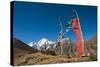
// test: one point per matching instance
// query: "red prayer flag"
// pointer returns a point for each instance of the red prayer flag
(77, 30)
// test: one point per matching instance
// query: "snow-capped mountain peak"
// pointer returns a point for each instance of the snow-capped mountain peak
(43, 41)
(41, 44)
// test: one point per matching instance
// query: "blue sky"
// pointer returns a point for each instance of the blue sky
(33, 21)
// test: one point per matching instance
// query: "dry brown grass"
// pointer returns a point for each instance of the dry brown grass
(39, 58)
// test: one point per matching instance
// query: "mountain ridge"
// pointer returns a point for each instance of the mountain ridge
(43, 43)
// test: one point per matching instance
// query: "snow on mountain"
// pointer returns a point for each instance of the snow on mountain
(31, 44)
(42, 44)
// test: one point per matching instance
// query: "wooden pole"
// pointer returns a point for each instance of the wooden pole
(61, 36)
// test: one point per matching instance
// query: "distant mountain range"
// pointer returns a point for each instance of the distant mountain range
(42, 44)
(20, 48)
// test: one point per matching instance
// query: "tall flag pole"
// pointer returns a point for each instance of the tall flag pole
(81, 33)
(61, 35)
(79, 36)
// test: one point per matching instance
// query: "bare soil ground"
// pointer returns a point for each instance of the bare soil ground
(39, 58)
